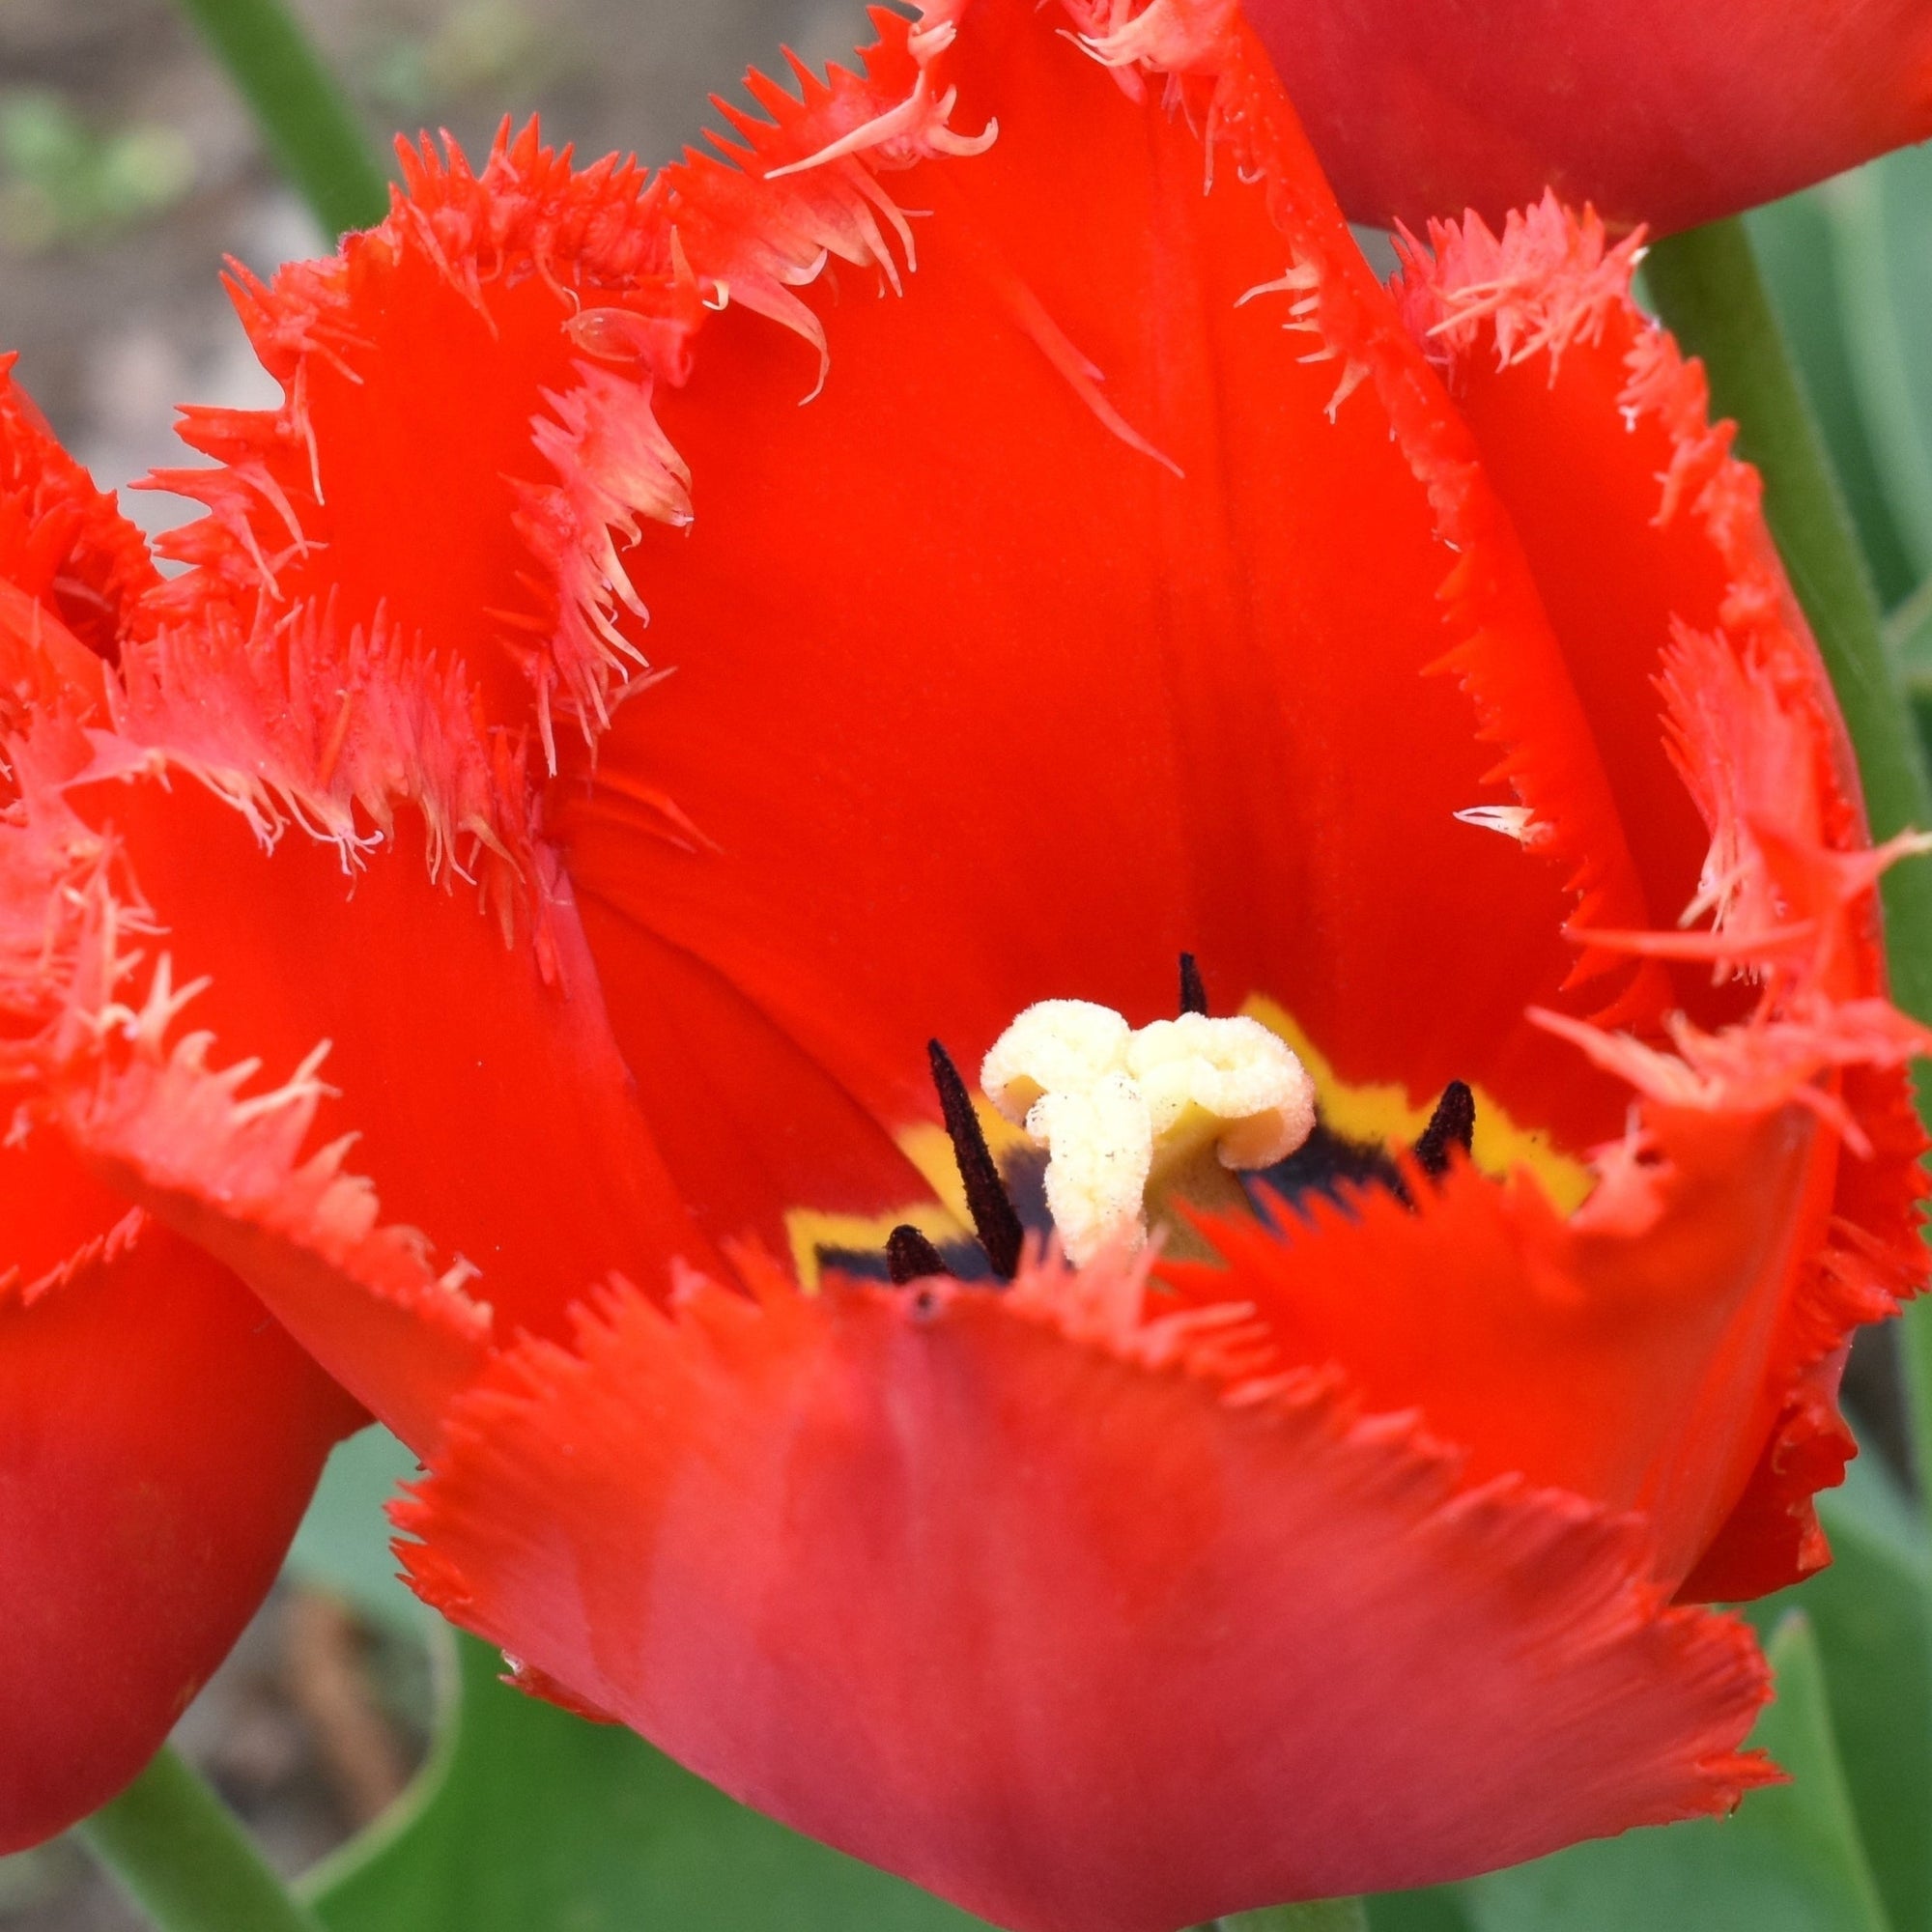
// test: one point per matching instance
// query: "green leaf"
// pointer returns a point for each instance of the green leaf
(1802, 252)
(1871, 1614)
(1908, 630)
(1881, 219)
(1434, 1909)
(1789, 1861)
(529, 1820)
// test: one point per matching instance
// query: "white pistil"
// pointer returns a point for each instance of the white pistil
(1121, 1113)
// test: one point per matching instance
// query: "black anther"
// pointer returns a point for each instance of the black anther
(1454, 1121)
(993, 1218)
(910, 1256)
(1193, 994)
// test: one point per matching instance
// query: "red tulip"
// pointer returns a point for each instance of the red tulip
(1137, 577)
(159, 1434)
(1655, 111)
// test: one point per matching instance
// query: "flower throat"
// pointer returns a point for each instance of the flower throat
(1195, 1113)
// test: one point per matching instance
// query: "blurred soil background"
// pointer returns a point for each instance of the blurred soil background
(128, 172)
(313, 1725)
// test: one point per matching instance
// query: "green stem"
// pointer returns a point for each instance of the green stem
(309, 125)
(1707, 288)
(178, 1852)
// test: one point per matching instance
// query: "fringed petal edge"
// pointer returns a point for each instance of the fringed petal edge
(1785, 903)
(939, 1386)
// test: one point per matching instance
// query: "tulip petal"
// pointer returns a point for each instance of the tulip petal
(997, 678)
(1044, 1599)
(1640, 525)
(212, 842)
(1733, 776)
(1873, 1262)
(159, 1434)
(501, 411)
(467, 1093)
(1656, 112)
(159, 1438)
(63, 545)
(448, 461)
(1628, 1354)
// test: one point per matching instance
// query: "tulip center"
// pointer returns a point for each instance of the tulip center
(1121, 1129)
(1133, 1120)
(1093, 1130)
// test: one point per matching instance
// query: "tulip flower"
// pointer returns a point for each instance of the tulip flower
(1657, 113)
(974, 586)
(159, 1434)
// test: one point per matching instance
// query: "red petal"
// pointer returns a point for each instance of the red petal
(70, 567)
(1181, 689)
(159, 1436)
(1634, 1354)
(1874, 1259)
(472, 1066)
(483, 1101)
(1639, 525)
(1059, 1613)
(430, 468)
(394, 590)
(63, 545)
(976, 700)
(1723, 743)
(1656, 112)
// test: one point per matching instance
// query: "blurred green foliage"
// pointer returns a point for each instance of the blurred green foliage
(1872, 1613)
(62, 179)
(343, 1544)
(1802, 255)
(1850, 268)
(472, 45)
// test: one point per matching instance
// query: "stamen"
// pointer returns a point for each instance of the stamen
(1328, 1164)
(1193, 993)
(1454, 1121)
(993, 1217)
(910, 1256)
